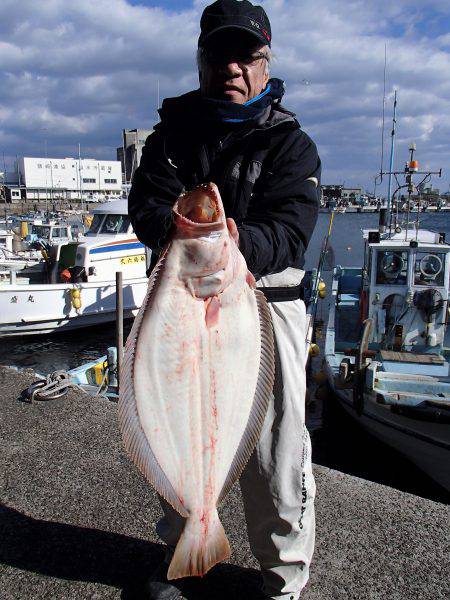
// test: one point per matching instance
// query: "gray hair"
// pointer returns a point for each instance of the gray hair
(201, 59)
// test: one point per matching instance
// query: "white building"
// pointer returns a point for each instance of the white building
(70, 178)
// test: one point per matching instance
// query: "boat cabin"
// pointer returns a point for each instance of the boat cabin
(405, 289)
(49, 233)
(108, 246)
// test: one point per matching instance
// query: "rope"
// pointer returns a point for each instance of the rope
(54, 386)
(57, 384)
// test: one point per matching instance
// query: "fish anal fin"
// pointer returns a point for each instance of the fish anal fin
(198, 551)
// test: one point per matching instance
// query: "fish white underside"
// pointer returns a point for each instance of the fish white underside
(195, 387)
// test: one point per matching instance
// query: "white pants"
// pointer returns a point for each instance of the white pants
(277, 484)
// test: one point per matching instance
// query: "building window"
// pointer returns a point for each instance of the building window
(88, 180)
(110, 180)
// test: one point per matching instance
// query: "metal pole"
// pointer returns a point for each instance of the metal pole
(124, 161)
(4, 186)
(119, 322)
(79, 178)
(46, 178)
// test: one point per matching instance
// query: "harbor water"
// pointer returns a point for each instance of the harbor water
(337, 441)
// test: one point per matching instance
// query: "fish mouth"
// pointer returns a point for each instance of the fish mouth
(200, 209)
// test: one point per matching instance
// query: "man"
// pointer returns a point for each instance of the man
(233, 131)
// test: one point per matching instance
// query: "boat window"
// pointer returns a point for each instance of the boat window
(41, 231)
(96, 223)
(59, 232)
(429, 269)
(392, 267)
(116, 224)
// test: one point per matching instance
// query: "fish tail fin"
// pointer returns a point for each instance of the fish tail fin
(199, 549)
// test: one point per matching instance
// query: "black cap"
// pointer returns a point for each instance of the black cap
(240, 14)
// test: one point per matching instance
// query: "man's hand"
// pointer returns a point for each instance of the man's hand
(233, 230)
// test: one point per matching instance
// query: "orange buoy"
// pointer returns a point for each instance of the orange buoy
(65, 276)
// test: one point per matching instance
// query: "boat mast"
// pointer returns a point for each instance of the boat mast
(411, 168)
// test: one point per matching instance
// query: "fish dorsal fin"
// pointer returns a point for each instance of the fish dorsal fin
(133, 435)
(263, 393)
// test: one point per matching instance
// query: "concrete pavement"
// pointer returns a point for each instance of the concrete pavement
(77, 519)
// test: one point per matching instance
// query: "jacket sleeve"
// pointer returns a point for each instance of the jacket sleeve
(153, 193)
(283, 213)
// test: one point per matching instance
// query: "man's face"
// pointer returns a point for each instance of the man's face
(234, 67)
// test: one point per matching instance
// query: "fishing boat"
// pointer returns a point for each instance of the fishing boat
(387, 345)
(26, 246)
(78, 286)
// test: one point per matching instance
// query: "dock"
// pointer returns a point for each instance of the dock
(77, 520)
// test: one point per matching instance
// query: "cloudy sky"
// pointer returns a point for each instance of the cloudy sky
(79, 72)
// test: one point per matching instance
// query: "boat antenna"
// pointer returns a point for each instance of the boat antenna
(391, 163)
(378, 179)
(383, 114)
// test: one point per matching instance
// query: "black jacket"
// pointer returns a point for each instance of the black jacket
(268, 175)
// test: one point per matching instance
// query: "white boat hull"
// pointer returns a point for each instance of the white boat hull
(40, 309)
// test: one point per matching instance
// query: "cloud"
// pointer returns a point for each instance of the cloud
(80, 72)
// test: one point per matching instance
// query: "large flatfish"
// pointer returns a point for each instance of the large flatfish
(197, 376)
